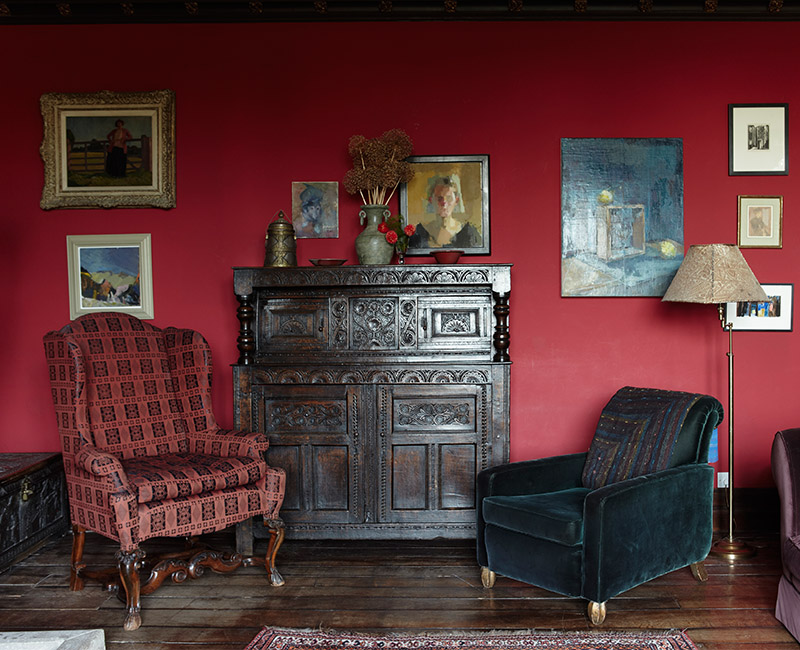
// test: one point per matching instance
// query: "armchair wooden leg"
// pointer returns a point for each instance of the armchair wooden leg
(597, 612)
(78, 540)
(488, 577)
(276, 535)
(128, 563)
(699, 571)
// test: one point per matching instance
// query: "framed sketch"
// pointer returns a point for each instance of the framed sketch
(447, 201)
(108, 150)
(110, 273)
(758, 139)
(760, 222)
(775, 315)
(315, 209)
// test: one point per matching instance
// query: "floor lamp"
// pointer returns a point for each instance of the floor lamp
(718, 274)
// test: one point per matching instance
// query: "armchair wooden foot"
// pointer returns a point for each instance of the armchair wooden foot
(129, 564)
(597, 612)
(277, 531)
(488, 577)
(699, 571)
(76, 582)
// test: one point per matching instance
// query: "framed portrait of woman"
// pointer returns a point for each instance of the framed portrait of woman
(447, 202)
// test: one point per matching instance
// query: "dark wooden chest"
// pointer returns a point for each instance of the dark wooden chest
(383, 390)
(33, 503)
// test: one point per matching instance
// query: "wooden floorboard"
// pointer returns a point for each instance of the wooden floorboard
(386, 586)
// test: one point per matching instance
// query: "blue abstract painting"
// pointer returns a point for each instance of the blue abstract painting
(621, 215)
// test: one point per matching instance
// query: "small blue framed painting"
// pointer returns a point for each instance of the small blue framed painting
(315, 209)
(621, 215)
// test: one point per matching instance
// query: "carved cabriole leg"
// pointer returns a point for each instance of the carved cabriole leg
(597, 612)
(128, 563)
(78, 540)
(488, 577)
(699, 571)
(276, 534)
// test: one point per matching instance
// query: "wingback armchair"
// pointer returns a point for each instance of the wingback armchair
(786, 472)
(592, 525)
(144, 456)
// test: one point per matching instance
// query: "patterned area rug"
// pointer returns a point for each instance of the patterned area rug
(271, 638)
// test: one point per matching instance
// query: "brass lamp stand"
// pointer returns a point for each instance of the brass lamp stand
(718, 274)
(729, 548)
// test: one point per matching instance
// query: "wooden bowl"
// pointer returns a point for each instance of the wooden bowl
(447, 256)
(327, 261)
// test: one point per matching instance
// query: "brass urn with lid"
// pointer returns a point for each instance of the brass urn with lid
(281, 243)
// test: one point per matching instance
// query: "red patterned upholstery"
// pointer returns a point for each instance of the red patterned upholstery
(143, 454)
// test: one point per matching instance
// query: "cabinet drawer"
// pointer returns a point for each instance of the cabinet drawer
(293, 324)
(455, 323)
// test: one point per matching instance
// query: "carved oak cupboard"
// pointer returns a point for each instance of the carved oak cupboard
(383, 390)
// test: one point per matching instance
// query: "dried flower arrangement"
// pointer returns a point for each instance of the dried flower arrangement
(396, 234)
(379, 166)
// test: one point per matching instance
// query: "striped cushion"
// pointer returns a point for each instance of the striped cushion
(636, 434)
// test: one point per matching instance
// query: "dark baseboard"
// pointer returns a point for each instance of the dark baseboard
(756, 510)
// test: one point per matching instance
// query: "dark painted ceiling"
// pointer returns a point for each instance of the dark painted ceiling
(172, 11)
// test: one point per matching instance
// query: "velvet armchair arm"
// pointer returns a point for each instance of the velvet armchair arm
(641, 528)
(525, 477)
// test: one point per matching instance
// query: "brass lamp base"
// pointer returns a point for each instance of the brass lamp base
(732, 550)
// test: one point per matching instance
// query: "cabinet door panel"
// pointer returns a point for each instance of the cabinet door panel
(431, 439)
(409, 467)
(456, 462)
(314, 436)
(455, 323)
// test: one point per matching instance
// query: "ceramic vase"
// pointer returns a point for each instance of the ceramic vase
(371, 245)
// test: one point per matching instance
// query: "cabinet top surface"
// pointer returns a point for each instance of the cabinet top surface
(13, 465)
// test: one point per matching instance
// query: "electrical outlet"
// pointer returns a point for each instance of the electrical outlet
(722, 479)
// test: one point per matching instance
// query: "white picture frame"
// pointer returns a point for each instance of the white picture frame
(772, 316)
(110, 273)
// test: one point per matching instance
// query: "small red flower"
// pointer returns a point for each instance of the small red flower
(391, 237)
(409, 230)
(383, 227)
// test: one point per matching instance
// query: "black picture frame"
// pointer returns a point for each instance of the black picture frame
(464, 178)
(758, 139)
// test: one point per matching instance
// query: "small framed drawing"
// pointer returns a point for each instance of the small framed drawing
(315, 209)
(775, 315)
(447, 201)
(108, 150)
(760, 222)
(758, 139)
(110, 273)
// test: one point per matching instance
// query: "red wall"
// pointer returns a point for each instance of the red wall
(260, 106)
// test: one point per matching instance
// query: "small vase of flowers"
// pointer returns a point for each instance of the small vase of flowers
(397, 235)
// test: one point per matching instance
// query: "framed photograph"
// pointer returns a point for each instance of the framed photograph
(775, 315)
(108, 150)
(110, 273)
(447, 201)
(315, 209)
(758, 139)
(760, 222)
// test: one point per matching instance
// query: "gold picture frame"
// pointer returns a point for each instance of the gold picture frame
(110, 273)
(760, 222)
(108, 150)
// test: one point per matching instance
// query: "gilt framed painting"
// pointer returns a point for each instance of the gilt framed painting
(108, 150)
(447, 202)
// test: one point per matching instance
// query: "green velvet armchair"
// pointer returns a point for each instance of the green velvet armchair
(593, 525)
